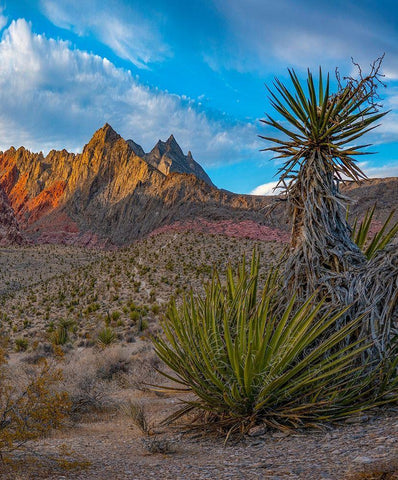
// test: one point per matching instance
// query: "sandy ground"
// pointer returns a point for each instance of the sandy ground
(116, 451)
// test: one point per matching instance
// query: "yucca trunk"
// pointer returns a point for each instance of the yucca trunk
(321, 243)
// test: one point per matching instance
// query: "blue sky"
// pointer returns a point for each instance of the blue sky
(195, 69)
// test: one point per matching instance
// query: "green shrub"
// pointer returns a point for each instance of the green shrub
(21, 344)
(59, 336)
(106, 336)
(249, 360)
(115, 315)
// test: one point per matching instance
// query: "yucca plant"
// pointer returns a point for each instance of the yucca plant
(106, 336)
(318, 130)
(246, 363)
(318, 133)
(362, 237)
(60, 336)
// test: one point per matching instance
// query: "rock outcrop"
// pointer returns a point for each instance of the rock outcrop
(10, 233)
(168, 157)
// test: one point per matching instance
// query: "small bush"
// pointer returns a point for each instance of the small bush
(115, 363)
(135, 412)
(21, 344)
(59, 336)
(115, 315)
(31, 410)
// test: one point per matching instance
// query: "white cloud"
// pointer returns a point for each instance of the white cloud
(380, 171)
(113, 23)
(266, 189)
(302, 34)
(54, 96)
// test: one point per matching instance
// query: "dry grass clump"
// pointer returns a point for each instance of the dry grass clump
(95, 378)
(87, 376)
(136, 412)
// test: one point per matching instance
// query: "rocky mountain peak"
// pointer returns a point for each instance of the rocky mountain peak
(137, 149)
(104, 135)
(168, 157)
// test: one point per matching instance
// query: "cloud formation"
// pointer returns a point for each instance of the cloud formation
(306, 34)
(54, 96)
(371, 171)
(266, 189)
(114, 24)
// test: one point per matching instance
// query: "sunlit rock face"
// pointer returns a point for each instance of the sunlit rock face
(114, 193)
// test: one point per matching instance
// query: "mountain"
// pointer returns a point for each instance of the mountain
(168, 157)
(10, 233)
(137, 149)
(114, 193)
(109, 193)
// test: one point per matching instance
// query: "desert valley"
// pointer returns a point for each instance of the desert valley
(198, 240)
(93, 248)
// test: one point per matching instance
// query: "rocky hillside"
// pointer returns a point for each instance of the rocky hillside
(10, 233)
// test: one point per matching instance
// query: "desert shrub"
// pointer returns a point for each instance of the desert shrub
(59, 336)
(106, 336)
(115, 315)
(90, 379)
(155, 309)
(248, 359)
(21, 344)
(136, 413)
(42, 351)
(115, 362)
(88, 395)
(30, 410)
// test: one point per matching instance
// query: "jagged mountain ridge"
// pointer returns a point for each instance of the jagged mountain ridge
(108, 192)
(168, 157)
(112, 192)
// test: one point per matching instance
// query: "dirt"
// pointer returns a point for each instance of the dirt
(116, 452)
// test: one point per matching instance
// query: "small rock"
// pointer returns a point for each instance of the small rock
(360, 459)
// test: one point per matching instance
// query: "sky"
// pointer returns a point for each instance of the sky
(196, 69)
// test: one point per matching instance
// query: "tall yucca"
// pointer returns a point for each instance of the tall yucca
(318, 131)
(318, 135)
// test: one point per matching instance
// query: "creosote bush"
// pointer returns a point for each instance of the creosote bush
(31, 410)
(247, 361)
